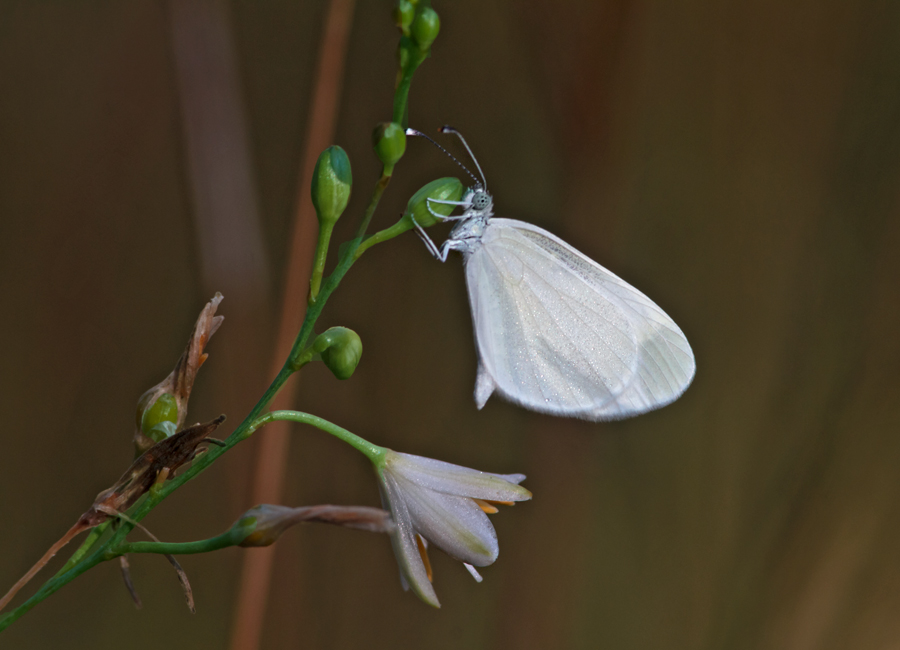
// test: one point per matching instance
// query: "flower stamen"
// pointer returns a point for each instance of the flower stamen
(486, 506)
(474, 573)
(423, 553)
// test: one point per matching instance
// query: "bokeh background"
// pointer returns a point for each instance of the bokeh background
(738, 162)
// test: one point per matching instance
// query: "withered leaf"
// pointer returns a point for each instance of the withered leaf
(129, 583)
(165, 456)
(161, 460)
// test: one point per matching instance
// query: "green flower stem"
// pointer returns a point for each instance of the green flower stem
(306, 355)
(401, 94)
(315, 280)
(296, 359)
(91, 539)
(224, 540)
(372, 451)
(95, 534)
(83, 560)
(116, 546)
(380, 187)
(402, 226)
(52, 586)
(110, 548)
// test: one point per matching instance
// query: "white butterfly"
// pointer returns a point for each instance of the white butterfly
(556, 332)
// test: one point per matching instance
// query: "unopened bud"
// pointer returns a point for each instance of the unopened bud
(422, 209)
(403, 14)
(331, 184)
(340, 349)
(425, 28)
(389, 141)
(262, 525)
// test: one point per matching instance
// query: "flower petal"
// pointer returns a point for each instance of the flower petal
(457, 480)
(453, 523)
(412, 570)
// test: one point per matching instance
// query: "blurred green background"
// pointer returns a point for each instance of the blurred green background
(739, 163)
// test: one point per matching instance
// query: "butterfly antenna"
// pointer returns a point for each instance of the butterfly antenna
(450, 129)
(455, 159)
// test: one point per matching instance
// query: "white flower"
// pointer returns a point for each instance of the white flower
(445, 504)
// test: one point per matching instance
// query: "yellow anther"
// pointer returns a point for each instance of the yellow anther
(423, 553)
(484, 505)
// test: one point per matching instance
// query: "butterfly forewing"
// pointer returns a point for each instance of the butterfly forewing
(535, 371)
(546, 342)
(558, 333)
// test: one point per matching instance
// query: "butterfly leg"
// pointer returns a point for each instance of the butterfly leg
(430, 245)
(462, 203)
(442, 217)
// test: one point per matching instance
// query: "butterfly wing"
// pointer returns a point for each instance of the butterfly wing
(559, 334)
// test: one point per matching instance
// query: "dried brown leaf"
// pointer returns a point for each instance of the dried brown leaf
(129, 584)
(163, 459)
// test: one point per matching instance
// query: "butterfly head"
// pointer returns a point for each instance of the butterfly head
(480, 200)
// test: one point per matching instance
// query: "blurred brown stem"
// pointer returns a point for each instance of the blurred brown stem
(253, 591)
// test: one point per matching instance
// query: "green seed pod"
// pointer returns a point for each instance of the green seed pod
(331, 185)
(425, 28)
(340, 349)
(403, 14)
(161, 431)
(164, 409)
(442, 189)
(389, 141)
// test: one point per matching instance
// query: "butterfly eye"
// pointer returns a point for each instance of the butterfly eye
(481, 200)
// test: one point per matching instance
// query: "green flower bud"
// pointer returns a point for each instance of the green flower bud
(425, 28)
(163, 410)
(442, 189)
(331, 185)
(389, 141)
(403, 14)
(340, 349)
